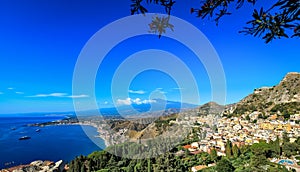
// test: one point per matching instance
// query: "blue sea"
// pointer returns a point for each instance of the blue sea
(50, 143)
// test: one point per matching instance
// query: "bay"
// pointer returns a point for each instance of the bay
(59, 142)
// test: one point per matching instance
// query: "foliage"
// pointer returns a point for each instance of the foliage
(104, 161)
(160, 24)
(224, 165)
(137, 7)
(287, 108)
(248, 118)
(214, 155)
(276, 147)
(285, 138)
(281, 20)
(274, 25)
(240, 159)
(290, 149)
(235, 151)
(228, 148)
(248, 159)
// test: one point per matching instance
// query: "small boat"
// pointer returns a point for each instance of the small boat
(38, 130)
(13, 128)
(24, 138)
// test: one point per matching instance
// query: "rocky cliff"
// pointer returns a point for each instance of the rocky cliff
(269, 99)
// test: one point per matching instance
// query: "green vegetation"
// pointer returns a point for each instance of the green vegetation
(224, 165)
(239, 159)
(242, 109)
(228, 149)
(104, 161)
(287, 109)
(164, 122)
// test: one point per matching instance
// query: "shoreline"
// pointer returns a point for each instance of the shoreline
(14, 160)
(100, 132)
(103, 134)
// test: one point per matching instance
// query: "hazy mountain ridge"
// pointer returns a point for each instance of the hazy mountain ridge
(141, 109)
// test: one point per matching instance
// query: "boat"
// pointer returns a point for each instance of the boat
(38, 130)
(24, 138)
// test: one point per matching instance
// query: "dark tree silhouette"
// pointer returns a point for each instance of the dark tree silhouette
(281, 20)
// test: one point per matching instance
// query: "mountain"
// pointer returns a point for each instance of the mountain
(157, 105)
(211, 108)
(280, 99)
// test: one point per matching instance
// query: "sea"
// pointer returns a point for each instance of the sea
(57, 142)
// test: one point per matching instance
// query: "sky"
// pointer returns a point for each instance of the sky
(41, 41)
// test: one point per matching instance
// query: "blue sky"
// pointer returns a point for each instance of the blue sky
(41, 41)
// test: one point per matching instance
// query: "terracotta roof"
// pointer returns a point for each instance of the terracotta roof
(200, 167)
(187, 146)
(196, 152)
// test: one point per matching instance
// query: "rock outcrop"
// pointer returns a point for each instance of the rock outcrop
(39, 166)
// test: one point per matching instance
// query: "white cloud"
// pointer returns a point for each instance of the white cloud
(148, 101)
(177, 88)
(10, 88)
(124, 102)
(137, 101)
(160, 90)
(18, 92)
(60, 95)
(137, 91)
(78, 96)
(1, 93)
(130, 101)
(50, 95)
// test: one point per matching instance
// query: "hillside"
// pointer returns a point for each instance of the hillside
(269, 100)
(211, 108)
(150, 125)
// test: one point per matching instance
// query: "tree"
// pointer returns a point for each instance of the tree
(260, 153)
(244, 149)
(275, 145)
(224, 165)
(290, 149)
(261, 148)
(149, 165)
(285, 138)
(214, 155)
(286, 116)
(248, 118)
(258, 161)
(236, 151)
(281, 19)
(228, 149)
(298, 141)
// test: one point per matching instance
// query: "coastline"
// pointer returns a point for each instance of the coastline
(101, 132)
(57, 138)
